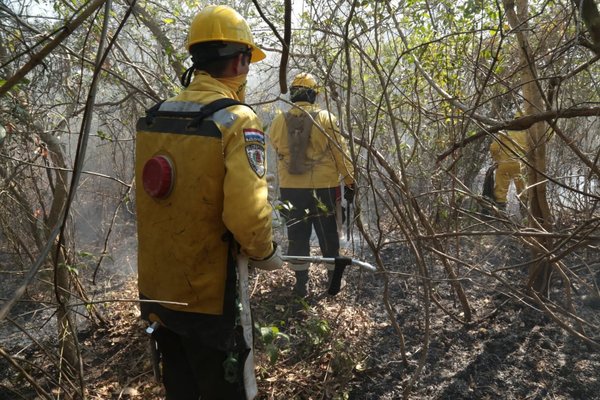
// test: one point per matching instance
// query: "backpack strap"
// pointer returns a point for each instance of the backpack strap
(213, 107)
(152, 111)
(196, 116)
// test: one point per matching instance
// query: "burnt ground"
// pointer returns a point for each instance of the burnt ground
(510, 351)
(348, 347)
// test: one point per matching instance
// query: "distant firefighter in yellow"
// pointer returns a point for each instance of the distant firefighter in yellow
(507, 150)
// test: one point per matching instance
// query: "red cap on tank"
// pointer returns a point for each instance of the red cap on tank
(157, 177)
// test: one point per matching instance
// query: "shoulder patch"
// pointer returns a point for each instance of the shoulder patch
(256, 158)
(254, 135)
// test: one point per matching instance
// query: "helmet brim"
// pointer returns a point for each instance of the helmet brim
(257, 54)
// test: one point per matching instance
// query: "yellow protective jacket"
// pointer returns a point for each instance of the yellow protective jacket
(219, 191)
(509, 147)
(329, 162)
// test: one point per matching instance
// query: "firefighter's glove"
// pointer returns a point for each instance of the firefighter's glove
(271, 263)
(349, 193)
(272, 195)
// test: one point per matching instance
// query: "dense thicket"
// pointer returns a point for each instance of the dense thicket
(421, 89)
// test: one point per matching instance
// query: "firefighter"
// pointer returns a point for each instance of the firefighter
(507, 151)
(310, 166)
(202, 198)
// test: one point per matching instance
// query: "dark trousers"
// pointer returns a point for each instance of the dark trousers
(308, 209)
(192, 370)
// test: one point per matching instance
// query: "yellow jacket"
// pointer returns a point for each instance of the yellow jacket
(219, 187)
(511, 148)
(330, 162)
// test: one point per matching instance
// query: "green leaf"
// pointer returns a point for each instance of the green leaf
(104, 136)
(71, 268)
(268, 333)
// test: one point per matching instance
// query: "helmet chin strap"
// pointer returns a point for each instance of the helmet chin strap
(186, 77)
(213, 51)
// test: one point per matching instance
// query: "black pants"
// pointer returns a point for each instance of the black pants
(192, 370)
(311, 208)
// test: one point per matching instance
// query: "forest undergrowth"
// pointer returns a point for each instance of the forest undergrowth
(346, 347)
(461, 307)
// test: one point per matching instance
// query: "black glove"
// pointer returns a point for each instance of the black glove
(349, 193)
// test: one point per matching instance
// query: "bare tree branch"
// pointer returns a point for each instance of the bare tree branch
(521, 123)
(39, 57)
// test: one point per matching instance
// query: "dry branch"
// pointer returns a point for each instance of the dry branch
(522, 123)
(37, 58)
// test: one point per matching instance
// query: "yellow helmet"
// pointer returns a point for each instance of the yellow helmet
(222, 23)
(306, 80)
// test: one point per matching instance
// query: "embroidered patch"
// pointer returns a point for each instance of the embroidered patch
(256, 158)
(254, 135)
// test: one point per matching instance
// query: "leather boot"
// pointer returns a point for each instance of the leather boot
(301, 285)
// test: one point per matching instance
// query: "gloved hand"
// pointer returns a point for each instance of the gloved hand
(272, 195)
(349, 193)
(271, 263)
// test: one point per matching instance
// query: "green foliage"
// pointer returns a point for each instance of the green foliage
(72, 268)
(285, 206)
(313, 333)
(275, 341)
(86, 258)
(104, 136)
(322, 206)
(85, 254)
(342, 361)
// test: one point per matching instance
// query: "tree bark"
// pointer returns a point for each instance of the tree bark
(591, 18)
(160, 37)
(541, 218)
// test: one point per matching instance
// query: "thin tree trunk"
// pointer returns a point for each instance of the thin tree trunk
(591, 18)
(66, 324)
(539, 273)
